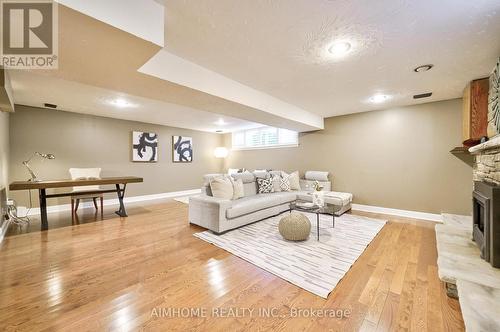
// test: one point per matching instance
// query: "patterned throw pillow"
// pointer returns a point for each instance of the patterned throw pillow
(294, 180)
(265, 186)
(285, 183)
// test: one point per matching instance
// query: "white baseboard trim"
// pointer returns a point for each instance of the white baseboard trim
(400, 213)
(114, 201)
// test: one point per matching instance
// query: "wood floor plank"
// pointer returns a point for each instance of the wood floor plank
(113, 274)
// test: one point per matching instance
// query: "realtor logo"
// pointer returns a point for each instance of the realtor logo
(29, 34)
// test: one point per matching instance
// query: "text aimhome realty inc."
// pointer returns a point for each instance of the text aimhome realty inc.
(233, 312)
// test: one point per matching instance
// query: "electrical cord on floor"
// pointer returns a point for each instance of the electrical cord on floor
(12, 213)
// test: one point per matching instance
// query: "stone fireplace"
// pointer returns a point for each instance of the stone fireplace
(486, 200)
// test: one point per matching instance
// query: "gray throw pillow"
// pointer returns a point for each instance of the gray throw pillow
(238, 191)
(276, 183)
(265, 186)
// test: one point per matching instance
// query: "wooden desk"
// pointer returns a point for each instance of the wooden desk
(42, 186)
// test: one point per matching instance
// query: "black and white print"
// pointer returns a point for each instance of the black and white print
(144, 146)
(182, 149)
(265, 185)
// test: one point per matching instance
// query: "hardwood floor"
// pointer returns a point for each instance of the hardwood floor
(125, 274)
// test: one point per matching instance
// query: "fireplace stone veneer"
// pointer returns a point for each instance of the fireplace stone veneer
(486, 199)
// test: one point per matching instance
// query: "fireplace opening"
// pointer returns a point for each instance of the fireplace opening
(486, 221)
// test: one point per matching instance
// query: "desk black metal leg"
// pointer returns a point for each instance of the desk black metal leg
(317, 222)
(121, 193)
(333, 220)
(43, 209)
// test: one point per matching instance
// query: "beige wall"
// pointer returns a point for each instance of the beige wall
(89, 141)
(4, 149)
(397, 158)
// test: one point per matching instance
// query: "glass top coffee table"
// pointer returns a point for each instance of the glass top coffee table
(328, 209)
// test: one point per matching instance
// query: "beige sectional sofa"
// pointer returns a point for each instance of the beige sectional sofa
(221, 215)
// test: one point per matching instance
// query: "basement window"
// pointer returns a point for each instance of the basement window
(264, 138)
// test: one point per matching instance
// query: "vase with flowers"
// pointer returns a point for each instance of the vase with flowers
(318, 197)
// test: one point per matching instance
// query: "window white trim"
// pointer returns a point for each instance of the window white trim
(264, 138)
(265, 147)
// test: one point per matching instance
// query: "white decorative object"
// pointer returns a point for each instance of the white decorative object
(318, 198)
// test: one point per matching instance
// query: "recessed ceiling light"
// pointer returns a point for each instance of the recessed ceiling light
(421, 69)
(120, 102)
(378, 98)
(339, 48)
(221, 122)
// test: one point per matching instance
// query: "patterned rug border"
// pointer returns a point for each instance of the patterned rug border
(207, 235)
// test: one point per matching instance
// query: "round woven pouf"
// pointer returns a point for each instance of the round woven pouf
(295, 227)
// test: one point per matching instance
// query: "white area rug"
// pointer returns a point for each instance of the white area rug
(314, 266)
(183, 199)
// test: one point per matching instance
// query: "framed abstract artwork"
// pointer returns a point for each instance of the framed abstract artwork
(144, 147)
(182, 149)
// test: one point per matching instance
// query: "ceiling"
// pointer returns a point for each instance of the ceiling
(142, 18)
(280, 47)
(254, 62)
(96, 54)
(86, 99)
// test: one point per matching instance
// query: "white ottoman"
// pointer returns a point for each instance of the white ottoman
(332, 197)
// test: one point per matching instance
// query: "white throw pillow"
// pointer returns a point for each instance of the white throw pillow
(294, 180)
(276, 182)
(238, 191)
(222, 187)
(232, 171)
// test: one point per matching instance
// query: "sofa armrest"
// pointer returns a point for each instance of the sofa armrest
(208, 212)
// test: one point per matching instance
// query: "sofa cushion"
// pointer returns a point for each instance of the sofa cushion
(275, 173)
(258, 202)
(316, 176)
(346, 198)
(209, 177)
(249, 189)
(261, 174)
(245, 176)
(332, 197)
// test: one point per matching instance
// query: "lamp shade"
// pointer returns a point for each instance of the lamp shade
(221, 152)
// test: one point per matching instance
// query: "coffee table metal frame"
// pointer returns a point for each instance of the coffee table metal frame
(327, 209)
